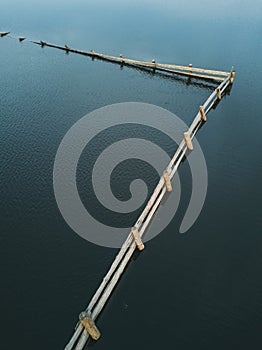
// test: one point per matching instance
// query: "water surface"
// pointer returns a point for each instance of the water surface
(200, 290)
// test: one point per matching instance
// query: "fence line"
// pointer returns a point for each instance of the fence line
(86, 326)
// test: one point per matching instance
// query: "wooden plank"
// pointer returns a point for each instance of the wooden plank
(150, 203)
(192, 75)
(171, 66)
(223, 86)
(124, 262)
(84, 337)
(213, 95)
(193, 69)
(82, 340)
(175, 157)
(178, 162)
(74, 337)
(133, 245)
(111, 271)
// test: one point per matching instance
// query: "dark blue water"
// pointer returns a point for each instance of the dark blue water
(200, 290)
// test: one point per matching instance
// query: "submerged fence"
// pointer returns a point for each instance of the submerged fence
(86, 326)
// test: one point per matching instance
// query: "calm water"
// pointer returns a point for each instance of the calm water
(200, 290)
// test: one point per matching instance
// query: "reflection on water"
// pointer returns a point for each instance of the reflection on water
(200, 290)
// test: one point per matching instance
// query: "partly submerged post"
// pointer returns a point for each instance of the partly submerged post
(232, 76)
(154, 64)
(203, 114)
(219, 96)
(4, 34)
(167, 181)
(137, 239)
(188, 141)
(89, 325)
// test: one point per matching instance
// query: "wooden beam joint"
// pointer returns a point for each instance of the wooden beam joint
(89, 324)
(137, 239)
(188, 141)
(219, 96)
(167, 181)
(232, 76)
(154, 64)
(203, 114)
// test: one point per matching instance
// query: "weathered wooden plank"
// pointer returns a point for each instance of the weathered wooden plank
(171, 66)
(82, 340)
(172, 69)
(190, 75)
(193, 69)
(74, 337)
(84, 337)
(223, 86)
(214, 94)
(150, 203)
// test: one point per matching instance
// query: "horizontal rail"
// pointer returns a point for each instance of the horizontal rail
(190, 71)
(174, 69)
